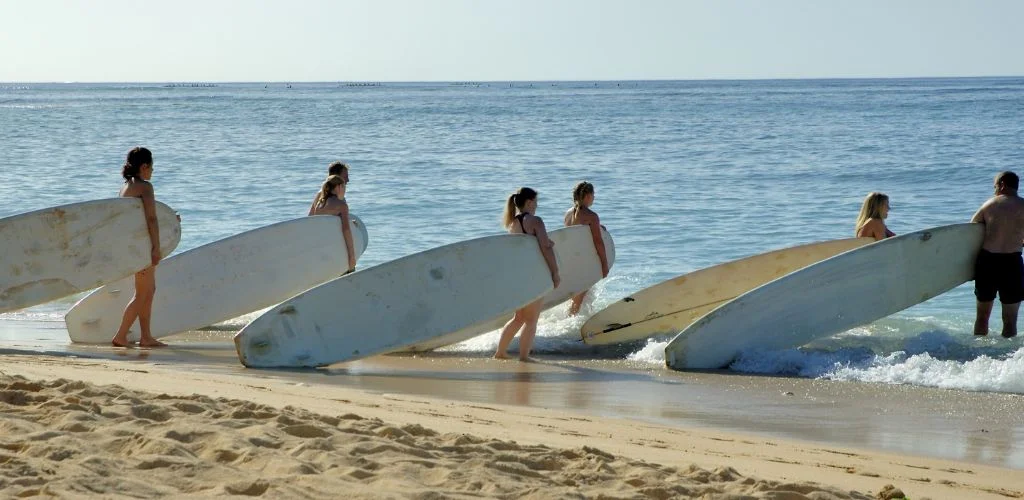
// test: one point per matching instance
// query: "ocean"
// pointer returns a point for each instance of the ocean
(688, 174)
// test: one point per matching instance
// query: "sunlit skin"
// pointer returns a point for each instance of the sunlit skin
(526, 317)
(141, 305)
(1003, 217)
(336, 205)
(583, 215)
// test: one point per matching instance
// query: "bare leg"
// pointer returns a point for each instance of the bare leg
(145, 289)
(1010, 320)
(131, 311)
(507, 333)
(577, 303)
(981, 321)
(529, 331)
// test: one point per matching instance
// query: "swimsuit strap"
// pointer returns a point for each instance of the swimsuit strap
(519, 218)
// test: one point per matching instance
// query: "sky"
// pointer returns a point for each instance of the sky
(504, 40)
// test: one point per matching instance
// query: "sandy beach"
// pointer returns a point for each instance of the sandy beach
(74, 427)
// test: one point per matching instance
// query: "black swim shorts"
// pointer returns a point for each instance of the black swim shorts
(999, 272)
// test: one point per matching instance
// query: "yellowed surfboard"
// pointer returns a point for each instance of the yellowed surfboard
(672, 305)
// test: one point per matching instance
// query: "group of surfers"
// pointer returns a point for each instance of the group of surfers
(999, 269)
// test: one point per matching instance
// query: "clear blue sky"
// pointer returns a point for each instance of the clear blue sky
(421, 40)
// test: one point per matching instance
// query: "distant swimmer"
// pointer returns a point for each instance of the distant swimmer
(871, 221)
(137, 171)
(999, 269)
(581, 214)
(519, 218)
(331, 201)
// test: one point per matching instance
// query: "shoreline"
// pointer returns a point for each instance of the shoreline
(964, 426)
(845, 468)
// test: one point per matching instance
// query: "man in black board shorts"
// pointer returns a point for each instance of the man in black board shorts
(999, 268)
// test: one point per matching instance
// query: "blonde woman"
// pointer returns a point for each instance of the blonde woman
(336, 168)
(331, 201)
(871, 221)
(519, 218)
(581, 214)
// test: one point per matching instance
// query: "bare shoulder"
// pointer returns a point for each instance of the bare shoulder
(872, 227)
(533, 221)
(137, 188)
(589, 216)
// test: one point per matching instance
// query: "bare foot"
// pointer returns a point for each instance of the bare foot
(151, 343)
(527, 359)
(116, 343)
(501, 355)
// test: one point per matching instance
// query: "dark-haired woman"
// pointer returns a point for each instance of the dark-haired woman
(519, 218)
(137, 171)
(331, 201)
(581, 214)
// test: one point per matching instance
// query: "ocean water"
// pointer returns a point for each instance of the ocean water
(688, 175)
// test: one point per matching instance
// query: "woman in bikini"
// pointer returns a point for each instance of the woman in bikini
(519, 218)
(137, 171)
(871, 221)
(581, 214)
(331, 201)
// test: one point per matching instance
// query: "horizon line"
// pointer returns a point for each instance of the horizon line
(520, 81)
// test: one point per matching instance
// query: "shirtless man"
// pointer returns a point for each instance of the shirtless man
(999, 267)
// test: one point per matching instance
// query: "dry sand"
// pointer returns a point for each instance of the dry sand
(164, 431)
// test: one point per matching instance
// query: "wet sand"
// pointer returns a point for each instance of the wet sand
(980, 428)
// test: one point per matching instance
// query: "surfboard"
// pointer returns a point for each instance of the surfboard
(59, 251)
(388, 307)
(578, 266)
(832, 296)
(225, 279)
(674, 304)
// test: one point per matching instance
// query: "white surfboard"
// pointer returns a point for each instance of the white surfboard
(59, 251)
(832, 296)
(672, 305)
(225, 279)
(578, 266)
(388, 307)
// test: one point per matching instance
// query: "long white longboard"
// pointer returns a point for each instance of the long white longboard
(59, 251)
(391, 306)
(672, 305)
(578, 266)
(832, 296)
(225, 279)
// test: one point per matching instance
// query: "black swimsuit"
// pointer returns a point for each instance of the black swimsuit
(999, 272)
(521, 226)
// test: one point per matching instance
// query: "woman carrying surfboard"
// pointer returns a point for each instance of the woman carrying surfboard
(519, 218)
(331, 201)
(581, 215)
(137, 171)
(335, 168)
(871, 221)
